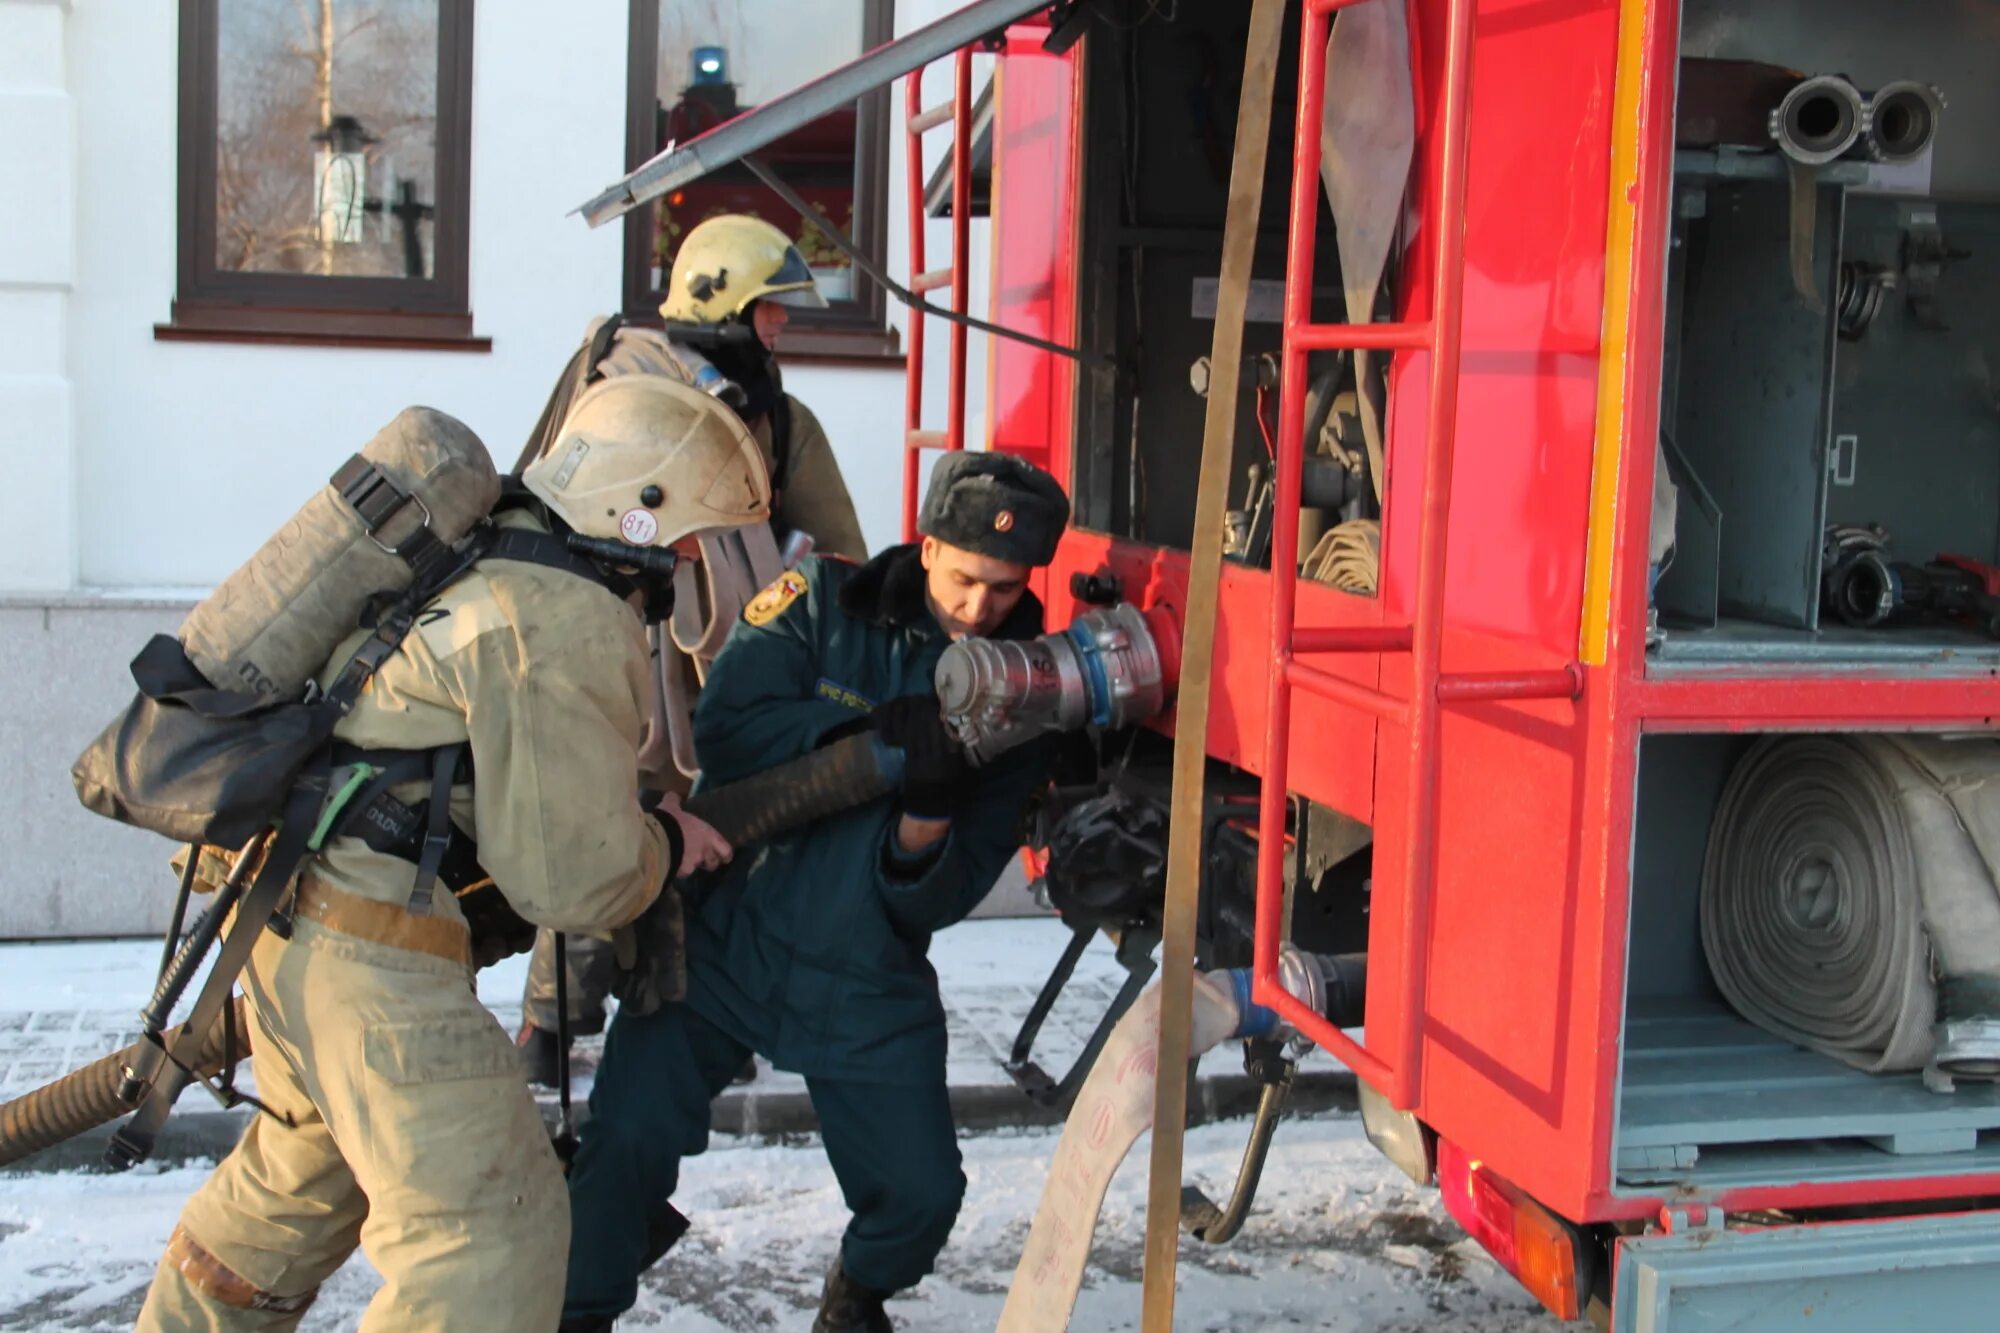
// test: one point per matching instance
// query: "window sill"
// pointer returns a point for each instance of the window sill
(878, 348)
(380, 329)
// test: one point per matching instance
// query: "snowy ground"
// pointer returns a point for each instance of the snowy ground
(1339, 1240)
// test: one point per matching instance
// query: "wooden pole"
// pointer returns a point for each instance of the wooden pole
(1239, 242)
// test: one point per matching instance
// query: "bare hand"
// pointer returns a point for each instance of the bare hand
(702, 848)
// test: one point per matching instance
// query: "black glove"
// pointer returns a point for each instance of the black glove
(934, 764)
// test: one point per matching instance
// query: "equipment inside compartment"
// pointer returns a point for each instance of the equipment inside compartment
(1159, 101)
(1707, 1097)
(1832, 352)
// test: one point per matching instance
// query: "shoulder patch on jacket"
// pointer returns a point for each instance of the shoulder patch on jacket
(769, 604)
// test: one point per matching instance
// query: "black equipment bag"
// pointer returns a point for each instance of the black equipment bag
(195, 763)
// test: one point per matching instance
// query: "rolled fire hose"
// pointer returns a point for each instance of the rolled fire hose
(1848, 902)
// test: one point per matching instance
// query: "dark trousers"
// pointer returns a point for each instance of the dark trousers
(892, 1148)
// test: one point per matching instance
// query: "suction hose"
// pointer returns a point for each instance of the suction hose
(1115, 1106)
(1843, 874)
(88, 1097)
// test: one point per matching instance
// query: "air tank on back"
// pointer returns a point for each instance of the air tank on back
(270, 626)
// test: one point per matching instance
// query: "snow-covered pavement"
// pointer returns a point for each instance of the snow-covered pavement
(1339, 1240)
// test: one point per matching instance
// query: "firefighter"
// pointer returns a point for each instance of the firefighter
(398, 1118)
(812, 952)
(734, 279)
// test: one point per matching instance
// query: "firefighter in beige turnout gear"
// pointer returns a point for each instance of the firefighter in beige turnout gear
(411, 1133)
(733, 276)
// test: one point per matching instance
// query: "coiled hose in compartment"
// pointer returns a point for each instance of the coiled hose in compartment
(1848, 902)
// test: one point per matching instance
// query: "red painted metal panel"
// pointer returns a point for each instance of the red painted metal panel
(1333, 747)
(1523, 1005)
(1031, 395)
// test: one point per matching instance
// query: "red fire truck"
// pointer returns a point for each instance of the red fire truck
(1477, 690)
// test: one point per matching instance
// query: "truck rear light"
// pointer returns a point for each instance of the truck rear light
(1537, 1247)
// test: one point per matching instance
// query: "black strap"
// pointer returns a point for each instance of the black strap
(544, 548)
(164, 1070)
(370, 492)
(395, 623)
(598, 347)
(437, 828)
(781, 441)
(565, 1136)
(389, 826)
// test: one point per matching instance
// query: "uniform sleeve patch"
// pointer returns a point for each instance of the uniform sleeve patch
(835, 693)
(769, 604)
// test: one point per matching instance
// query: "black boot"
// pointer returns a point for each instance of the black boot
(848, 1307)
(588, 1323)
(538, 1049)
(662, 1230)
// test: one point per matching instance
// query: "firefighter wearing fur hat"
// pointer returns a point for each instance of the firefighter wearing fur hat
(811, 952)
(398, 1120)
(735, 279)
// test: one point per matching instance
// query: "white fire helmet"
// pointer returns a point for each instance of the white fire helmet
(647, 460)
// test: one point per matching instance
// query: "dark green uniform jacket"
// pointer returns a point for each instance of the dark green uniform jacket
(811, 948)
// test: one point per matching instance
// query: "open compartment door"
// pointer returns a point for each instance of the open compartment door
(1933, 1272)
(681, 164)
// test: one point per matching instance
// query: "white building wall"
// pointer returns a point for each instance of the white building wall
(37, 267)
(139, 472)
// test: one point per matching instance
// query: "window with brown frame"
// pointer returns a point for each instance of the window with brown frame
(696, 63)
(324, 157)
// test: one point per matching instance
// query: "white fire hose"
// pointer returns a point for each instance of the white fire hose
(1848, 903)
(1114, 1107)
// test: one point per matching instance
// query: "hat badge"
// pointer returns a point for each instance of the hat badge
(1003, 521)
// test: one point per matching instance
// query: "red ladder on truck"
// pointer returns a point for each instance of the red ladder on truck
(955, 275)
(1413, 875)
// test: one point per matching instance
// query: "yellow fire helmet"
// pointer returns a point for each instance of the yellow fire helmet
(647, 460)
(729, 261)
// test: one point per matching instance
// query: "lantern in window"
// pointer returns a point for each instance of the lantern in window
(340, 180)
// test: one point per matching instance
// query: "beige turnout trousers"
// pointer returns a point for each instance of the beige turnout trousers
(416, 1139)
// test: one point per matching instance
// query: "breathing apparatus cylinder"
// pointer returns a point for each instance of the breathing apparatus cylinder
(270, 625)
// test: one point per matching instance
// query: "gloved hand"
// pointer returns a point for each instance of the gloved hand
(934, 764)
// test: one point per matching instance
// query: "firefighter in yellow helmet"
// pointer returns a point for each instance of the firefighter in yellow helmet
(735, 279)
(399, 1121)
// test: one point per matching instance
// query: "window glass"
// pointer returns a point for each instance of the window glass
(720, 57)
(326, 137)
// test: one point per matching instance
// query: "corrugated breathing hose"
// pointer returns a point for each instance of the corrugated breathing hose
(849, 772)
(1843, 874)
(88, 1097)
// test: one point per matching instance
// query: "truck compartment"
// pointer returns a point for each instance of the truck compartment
(1159, 98)
(1707, 1098)
(1831, 343)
